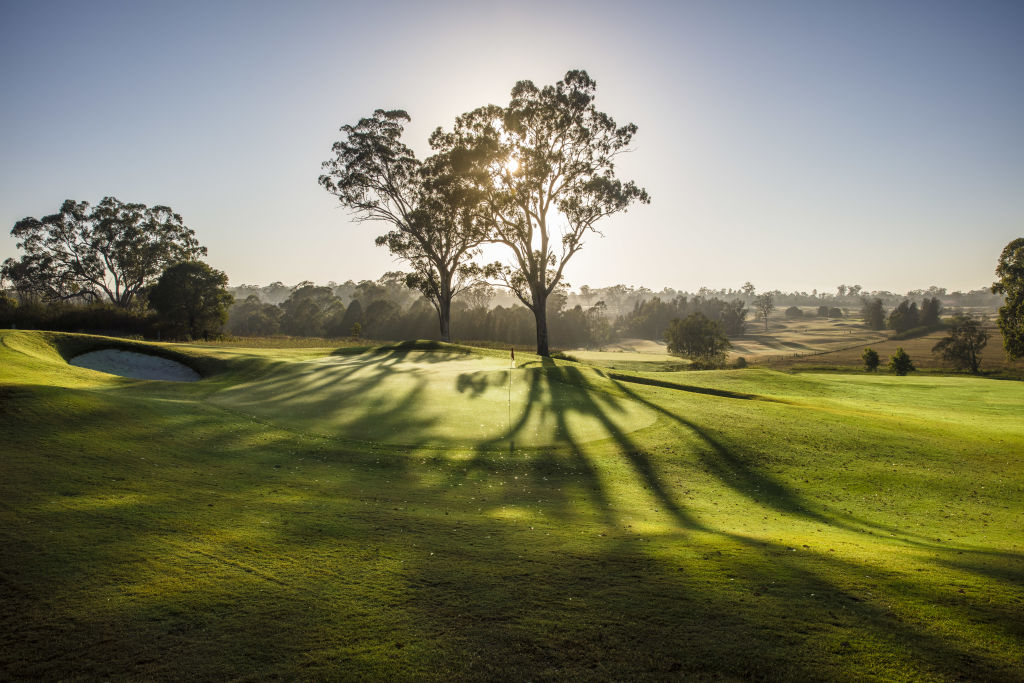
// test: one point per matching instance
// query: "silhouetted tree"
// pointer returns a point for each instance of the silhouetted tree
(699, 338)
(931, 309)
(191, 299)
(764, 304)
(904, 317)
(734, 317)
(964, 344)
(253, 318)
(900, 362)
(870, 358)
(432, 209)
(109, 251)
(873, 313)
(1010, 271)
(353, 315)
(550, 150)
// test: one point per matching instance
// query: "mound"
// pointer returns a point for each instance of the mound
(135, 365)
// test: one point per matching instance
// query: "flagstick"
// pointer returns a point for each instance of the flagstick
(512, 364)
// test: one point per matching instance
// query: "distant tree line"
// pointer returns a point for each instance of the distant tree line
(906, 316)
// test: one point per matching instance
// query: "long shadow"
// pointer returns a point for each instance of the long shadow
(547, 396)
(341, 388)
(723, 393)
(733, 471)
(337, 587)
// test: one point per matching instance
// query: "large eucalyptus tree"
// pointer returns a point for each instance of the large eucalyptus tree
(544, 166)
(110, 251)
(432, 212)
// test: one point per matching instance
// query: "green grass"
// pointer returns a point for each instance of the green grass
(324, 513)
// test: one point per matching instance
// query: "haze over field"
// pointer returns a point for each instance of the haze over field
(795, 145)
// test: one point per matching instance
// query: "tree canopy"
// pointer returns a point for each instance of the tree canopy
(1010, 271)
(964, 343)
(699, 338)
(431, 209)
(764, 304)
(192, 300)
(544, 162)
(873, 313)
(900, 363)
(110, 251)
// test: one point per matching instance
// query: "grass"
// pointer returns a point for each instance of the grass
(721, 524)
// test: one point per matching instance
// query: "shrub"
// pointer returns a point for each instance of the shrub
(900, 362)
(794, 312)
(870, 358)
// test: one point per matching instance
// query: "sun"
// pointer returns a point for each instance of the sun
(512, 165)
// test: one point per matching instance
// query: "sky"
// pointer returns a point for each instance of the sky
(795, 145)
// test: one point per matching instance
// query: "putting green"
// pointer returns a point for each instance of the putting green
(438, 398)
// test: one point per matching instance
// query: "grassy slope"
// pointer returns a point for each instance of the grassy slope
(831, 527)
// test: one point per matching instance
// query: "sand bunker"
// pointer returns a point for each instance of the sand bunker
(135, 365)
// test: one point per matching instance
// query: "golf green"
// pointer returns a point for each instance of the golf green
(438, 399)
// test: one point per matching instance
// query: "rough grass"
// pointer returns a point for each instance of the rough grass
(993, 358)
(786, 527)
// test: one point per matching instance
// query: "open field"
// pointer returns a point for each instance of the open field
(919, 348)
(630, 355)
(808, 344)
(786, 337)
(340, 513)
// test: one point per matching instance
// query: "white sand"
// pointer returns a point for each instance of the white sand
(135, 365)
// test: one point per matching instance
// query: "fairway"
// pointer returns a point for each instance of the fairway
(325, 513)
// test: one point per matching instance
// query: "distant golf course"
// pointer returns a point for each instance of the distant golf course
(422, 511)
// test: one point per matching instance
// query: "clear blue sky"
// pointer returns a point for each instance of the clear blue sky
(797, 145)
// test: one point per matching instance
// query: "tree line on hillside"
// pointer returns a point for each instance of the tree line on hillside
(906, 315)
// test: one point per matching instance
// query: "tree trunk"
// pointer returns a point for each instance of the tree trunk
(540, 314)
(444, 311)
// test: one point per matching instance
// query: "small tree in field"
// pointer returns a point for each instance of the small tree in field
(764, 304)
(900, 363)
(964, 344)
(699, 338)
(870, 358)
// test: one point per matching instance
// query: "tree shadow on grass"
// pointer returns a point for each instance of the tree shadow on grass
(350, 580)
(559, 394)
(734, 471)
